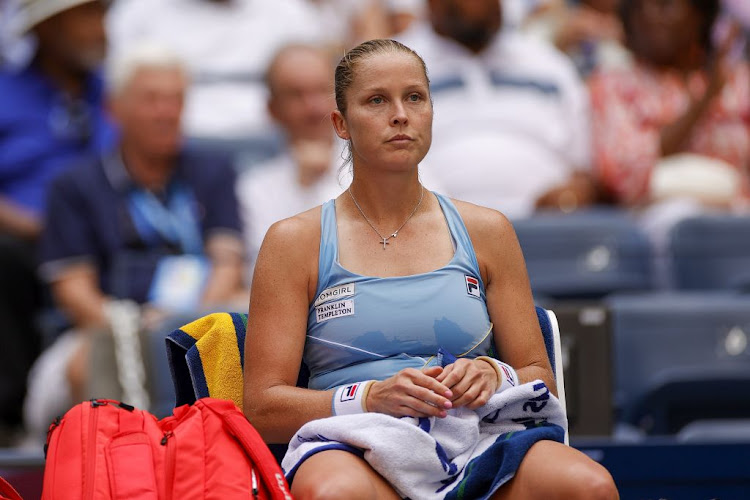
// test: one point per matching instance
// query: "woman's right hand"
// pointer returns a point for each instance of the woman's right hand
(410, 392)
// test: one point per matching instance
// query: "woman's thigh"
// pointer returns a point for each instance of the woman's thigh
(551, 470)
(341, 475)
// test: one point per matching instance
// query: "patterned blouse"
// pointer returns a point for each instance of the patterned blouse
(630, 107)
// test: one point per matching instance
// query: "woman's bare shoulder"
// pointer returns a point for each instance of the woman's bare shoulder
(299, 234)
(483, 222)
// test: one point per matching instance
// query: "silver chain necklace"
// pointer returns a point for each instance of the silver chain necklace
(395, 233)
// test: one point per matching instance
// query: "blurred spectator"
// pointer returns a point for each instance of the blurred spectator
(50, 115)
(511, 126)
(346, 23)
(588, 31)
(15, 46)
(683, 95)
(150, 222)
(671, 134)
(300, 83)
(227, 45)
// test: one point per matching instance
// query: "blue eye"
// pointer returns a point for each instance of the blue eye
(415, 97)
(376, 100)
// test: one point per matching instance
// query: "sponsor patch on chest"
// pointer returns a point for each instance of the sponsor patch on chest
(335, 293)
(472, 285)
(332, 310)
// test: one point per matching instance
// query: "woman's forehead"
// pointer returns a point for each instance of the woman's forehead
(391, 68)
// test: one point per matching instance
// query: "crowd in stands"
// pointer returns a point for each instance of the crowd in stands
(127, 131)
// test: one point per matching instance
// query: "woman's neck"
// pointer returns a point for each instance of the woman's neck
(386, 198)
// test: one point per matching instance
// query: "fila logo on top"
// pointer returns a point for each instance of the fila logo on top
(472, 285)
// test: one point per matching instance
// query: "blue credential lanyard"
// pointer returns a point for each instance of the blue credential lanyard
(176, 222)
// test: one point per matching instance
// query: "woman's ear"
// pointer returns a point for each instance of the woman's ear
(339, 124)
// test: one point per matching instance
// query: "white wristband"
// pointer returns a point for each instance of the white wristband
(506, 375)
(350, 398)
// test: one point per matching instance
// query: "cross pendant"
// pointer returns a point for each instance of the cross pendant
(385, 242)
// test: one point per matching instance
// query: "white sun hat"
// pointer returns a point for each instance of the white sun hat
(33, 12)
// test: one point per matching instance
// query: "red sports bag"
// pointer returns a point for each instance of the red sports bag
(7, 492)
(104, 449)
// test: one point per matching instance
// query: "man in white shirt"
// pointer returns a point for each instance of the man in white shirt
(511, 126)
(227, 44)
(299, 81)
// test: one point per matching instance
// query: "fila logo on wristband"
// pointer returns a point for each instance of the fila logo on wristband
(348, 399)
(508, 374)
(349, 392)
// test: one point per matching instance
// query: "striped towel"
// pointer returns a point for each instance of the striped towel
(468, 454)
(206, 358)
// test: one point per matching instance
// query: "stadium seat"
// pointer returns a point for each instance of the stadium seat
(711, 252)
(679, 358)
(585, 255)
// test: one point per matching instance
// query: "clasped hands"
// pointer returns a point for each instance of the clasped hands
(432, 391)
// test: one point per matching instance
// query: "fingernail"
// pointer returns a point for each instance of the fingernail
(448, 394)
(442, 414)
(448, 404)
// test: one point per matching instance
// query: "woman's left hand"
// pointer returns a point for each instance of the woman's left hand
(472, 381)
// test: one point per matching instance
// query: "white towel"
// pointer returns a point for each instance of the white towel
(427, 458)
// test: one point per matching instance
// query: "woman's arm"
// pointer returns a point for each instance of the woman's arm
(510, 304)
(285, 274)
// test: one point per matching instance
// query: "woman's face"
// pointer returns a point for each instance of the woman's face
(388, 114)
(664, 31)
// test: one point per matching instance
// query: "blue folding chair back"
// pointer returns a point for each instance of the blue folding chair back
(680, 358)
(711, 253)
(585, 255)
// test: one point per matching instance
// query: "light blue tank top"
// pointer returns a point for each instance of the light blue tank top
(364, 327)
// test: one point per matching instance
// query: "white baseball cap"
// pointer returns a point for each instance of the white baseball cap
(33, 12)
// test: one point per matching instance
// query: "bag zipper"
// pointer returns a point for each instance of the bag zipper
(254, 482)
(88, 489)
(169, 479)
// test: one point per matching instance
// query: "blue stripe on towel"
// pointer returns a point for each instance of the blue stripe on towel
(195, 365)
(240, 326)
(182, 339)
(499, 463)
(178, 343)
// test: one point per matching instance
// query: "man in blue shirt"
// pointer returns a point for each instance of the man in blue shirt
(148, 221)
(50, 115)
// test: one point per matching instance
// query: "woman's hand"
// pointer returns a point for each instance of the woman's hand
(411, 392)
(472, 381)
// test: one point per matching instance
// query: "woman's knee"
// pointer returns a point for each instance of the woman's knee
(338, 475)
(591, 481)
(333, 487)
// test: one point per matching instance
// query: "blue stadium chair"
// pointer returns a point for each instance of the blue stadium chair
(586, 255)
(679, 358)
(711, 252)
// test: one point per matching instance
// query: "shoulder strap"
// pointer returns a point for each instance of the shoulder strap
(256, 449)
(459, 232)
(329, 243)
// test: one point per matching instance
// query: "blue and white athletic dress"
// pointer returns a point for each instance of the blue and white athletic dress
(363, 327)
(367, 328)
